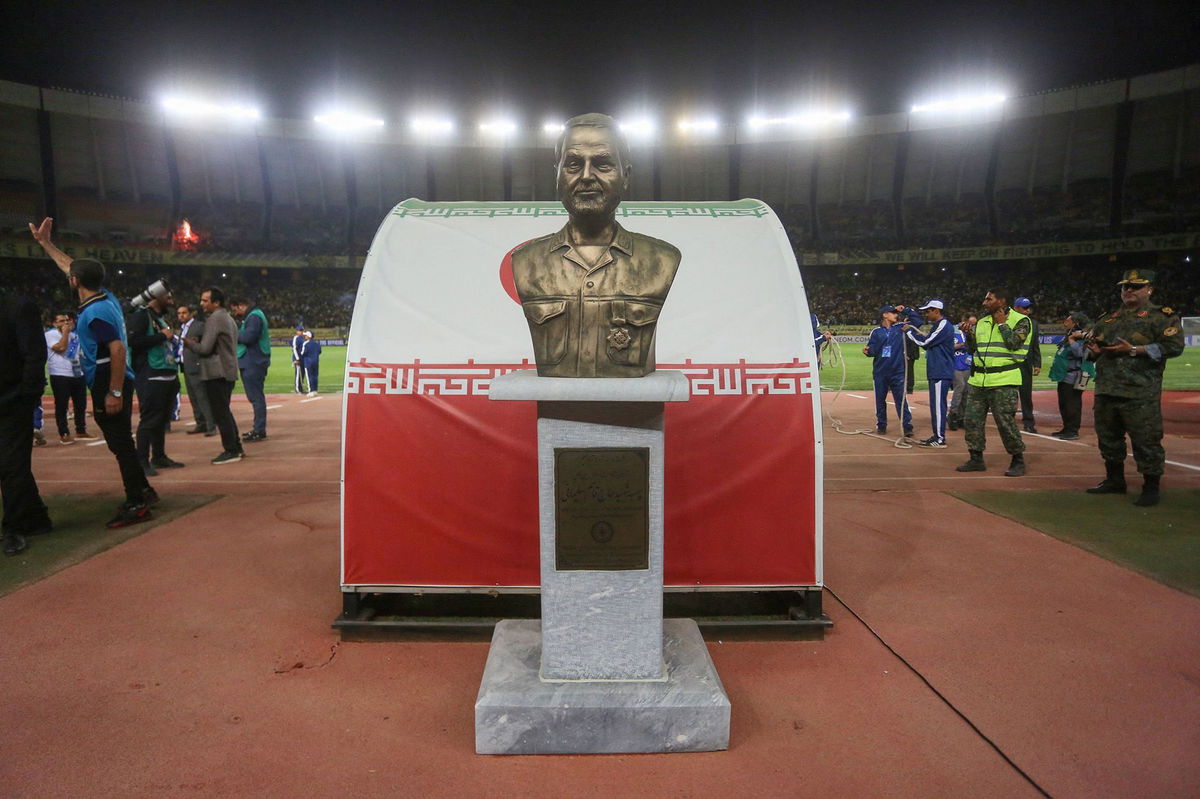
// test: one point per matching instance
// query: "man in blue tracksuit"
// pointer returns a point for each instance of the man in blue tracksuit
(254, 359)
(886, 346)
(939, 366)
(297, 351)
(310, 359)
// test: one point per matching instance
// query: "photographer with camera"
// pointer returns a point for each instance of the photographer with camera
(156, 373)
(103, 353)
(1071, 372)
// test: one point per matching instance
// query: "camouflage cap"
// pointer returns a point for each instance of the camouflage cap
(1137, 277)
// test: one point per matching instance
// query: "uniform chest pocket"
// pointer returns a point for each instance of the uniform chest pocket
(548, 329)
(630, 336)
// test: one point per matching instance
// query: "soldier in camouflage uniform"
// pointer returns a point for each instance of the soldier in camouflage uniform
(998, 344)
(1131, 347)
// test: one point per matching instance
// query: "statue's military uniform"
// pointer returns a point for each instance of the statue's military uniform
(594, 321)
(1129, 389)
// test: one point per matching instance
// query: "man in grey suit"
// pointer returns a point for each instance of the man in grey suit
(189, 365)
(219, 369)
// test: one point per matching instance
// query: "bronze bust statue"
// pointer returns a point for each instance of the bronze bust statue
(593, 291)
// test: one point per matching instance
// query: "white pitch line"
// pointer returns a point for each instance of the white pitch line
(1184, 465)
(96, 443)
(310, 399)
(273, 407)
(857, 396)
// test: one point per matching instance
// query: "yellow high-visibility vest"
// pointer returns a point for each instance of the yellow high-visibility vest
(995, 364)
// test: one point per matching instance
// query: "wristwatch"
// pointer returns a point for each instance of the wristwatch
(112, 392)
(1133, 351)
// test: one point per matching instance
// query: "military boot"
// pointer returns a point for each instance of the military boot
(1149, 497)
(975, 464)
(1114, 480)
(1017, 467)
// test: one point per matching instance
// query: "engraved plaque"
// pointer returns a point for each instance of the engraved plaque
(602, 508)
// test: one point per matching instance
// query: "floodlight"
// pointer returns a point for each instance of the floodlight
(553, 128)
(195, 107)
(961, 103)
(431, 125)
(346, 122)
(643, 127)
(707, 125)
(498, 127)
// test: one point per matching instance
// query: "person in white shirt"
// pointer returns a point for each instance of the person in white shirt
(66, 378)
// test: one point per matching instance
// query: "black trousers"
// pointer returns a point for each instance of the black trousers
(219, 392)
(69, 391)
(156, 400)
(23, 507)
(1026, 392)
(118, 435)
(1070, 406)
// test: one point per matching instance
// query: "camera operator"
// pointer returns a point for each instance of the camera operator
(156, 374)
(1071, 372)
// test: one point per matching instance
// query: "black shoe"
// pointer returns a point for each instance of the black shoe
(1149, 496)
(1068, 436)
(228, 457)
(1057, 433)
(975, 464)
(1017, 467)
(1030, 428)
(14, 544)
(40, 529)
(165, 463)
(932, 443)
(253, 436)
(129, 513)
(908, 432)
(197, 430)
(212, 431)
(150, 496)
(149, 470)
(881, 429)
(1113, 482)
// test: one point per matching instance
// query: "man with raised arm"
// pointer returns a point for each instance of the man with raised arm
(103, 355)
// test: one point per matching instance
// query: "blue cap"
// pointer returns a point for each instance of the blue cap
(1022, 302)
(887, 309)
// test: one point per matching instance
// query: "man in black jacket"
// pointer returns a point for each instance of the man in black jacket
(156, 377)
(22, 380)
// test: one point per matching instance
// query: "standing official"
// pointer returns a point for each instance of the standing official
(219, 370)
(938, 344)
(22, 368)
(254, 359)
(1031, 366)
(310, 358)
(1131, 347)
(299, 380)
(1071, 371)
(192, 326)
(886, 346)
(998, 344)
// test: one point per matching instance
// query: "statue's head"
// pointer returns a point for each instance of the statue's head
(592, 162)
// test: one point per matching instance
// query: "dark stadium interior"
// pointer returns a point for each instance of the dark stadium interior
(1085, 164)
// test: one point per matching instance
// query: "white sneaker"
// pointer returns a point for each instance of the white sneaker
(311, 394)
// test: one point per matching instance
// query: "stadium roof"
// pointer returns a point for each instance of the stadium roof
(556, 59)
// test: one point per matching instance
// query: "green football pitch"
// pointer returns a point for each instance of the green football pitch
(1183, 373)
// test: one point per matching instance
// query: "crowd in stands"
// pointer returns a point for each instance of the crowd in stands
(316, 298)
(841, 300)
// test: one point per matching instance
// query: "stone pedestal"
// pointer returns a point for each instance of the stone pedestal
(597, 674)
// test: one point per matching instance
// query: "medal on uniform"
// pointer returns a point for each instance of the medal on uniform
(618, 335)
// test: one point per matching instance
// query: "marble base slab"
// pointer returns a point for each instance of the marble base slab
(518, 713)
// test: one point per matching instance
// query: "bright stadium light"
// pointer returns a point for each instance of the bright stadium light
(961, 103)
(642, 127)
(194, 107)
(812, 118)
(498, 127)
(347, 122)
(704, 125)
(553, 128)
(432, 125)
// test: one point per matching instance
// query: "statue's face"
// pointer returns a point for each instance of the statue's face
(590, 177)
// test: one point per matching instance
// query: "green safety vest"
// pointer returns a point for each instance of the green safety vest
(995, 364)
(162, 357)
(264, 340)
